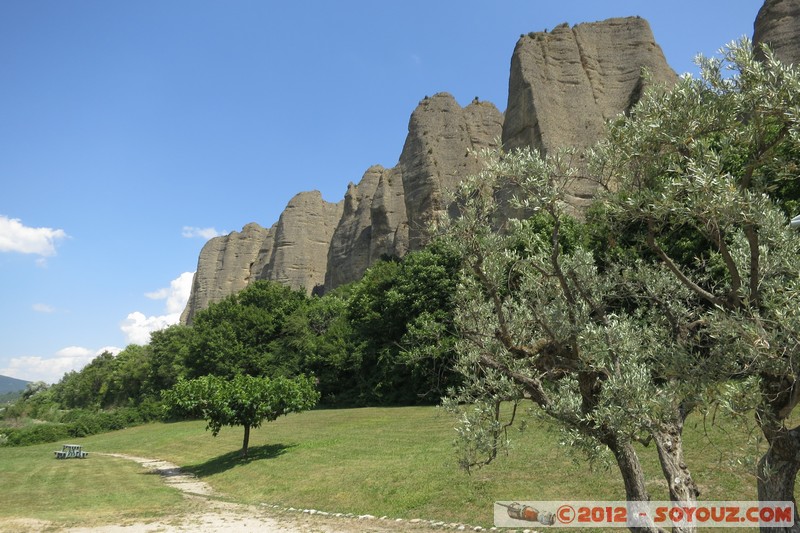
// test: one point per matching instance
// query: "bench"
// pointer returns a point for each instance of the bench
(71, 450)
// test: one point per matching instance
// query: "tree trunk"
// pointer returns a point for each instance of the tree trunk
(632, 476)
(777, 471)
(682, 488)
(246, 441)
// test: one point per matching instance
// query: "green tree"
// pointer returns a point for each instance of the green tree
(87, 388)
(538, 319)
(235, 335)
(169, 349)
(244, 400)
(715, 162)
(401, 314)
(128, 379)
(33, 388)
(318, 340)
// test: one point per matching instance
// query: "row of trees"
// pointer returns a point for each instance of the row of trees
(270, 350)
(680, 292)
(356, 342)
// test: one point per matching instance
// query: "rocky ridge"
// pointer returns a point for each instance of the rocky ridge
(778, 25)
(563, 86)
(442, 148)
(293, 251)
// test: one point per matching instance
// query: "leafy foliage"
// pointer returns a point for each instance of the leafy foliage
(715, 160)
(241, 401)
(537, 318)
(687, 283)
(401, 313)
(235, 336)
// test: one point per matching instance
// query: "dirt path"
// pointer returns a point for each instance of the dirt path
(212, 515)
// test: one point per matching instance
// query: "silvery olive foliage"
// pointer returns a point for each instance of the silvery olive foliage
(689, 297)
(716, 161)
(538, 319)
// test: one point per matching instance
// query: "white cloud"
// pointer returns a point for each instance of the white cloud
(74, 352)
(191, 232)
(52, 369)
(44, 308)
(138, 327)
(16, 237)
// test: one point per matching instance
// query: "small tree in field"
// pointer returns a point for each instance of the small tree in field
(241, 401)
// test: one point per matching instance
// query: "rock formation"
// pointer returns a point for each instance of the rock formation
(778, 25)
(293, 251)
(373, 224)
(440, 150)
(388, 213)
(566, 83)
(563, 86)
(224, 267)
(302, 236)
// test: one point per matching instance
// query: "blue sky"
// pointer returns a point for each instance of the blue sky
(131, 132)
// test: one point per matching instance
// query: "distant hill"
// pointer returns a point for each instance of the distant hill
(8, 384)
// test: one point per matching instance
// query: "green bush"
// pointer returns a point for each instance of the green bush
(81, 423)
(36, 434)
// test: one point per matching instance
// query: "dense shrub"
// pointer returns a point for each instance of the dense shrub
(81, 423)
(35, 434)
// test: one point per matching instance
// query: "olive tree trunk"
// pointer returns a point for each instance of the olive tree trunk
(632, 476)
(682, 488)
(777, 471)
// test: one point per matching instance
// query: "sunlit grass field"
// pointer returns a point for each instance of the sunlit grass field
(397, 462)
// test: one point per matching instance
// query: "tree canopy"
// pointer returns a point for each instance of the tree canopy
(243, 400)
(681, 292)
(715, 162)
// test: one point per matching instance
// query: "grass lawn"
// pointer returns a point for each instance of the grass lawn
(79, 492)
(381, 461)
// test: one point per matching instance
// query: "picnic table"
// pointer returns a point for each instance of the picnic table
(71, 451)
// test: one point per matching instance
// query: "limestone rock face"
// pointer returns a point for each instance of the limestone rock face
(778, 25)
(302, 236)
(440, 151)
(566, 83)
(224, 267)
(373, 224)
(563, 86)
(293, 251)
(389, 211)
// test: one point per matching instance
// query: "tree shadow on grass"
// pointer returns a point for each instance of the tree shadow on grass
(234, 459)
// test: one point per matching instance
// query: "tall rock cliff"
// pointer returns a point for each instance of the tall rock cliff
(293, 251)
(565, 84)
(440, 150)
(302, 237)
(778, 25)
(224, 267)
(373, 224)
(389, 211)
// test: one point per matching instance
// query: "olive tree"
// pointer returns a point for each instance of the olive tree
(243, 400)
(714, 162)
(538, 319)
